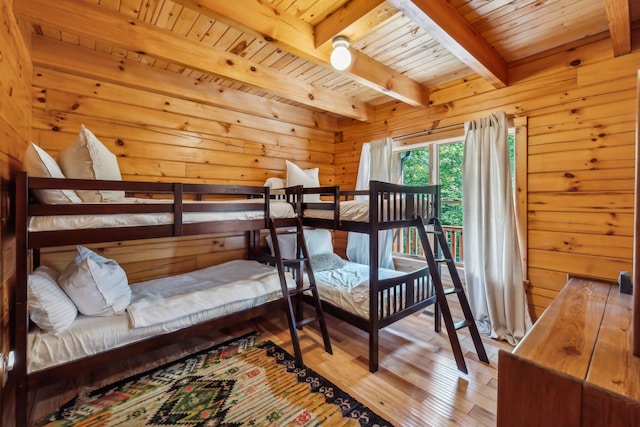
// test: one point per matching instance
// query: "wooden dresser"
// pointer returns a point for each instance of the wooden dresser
(575, 367)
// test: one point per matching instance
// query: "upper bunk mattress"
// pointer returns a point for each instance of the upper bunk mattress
(160, 306)
(277, 209)
(358, 211)
(350, 210)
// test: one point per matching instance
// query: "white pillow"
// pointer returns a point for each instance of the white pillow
(275, 183)
(326, 261)
(304, 177)
(287, 243)
(276, 186)
(318, 242)
(38, 163)
(49, 307)
(97, 285)
(88, 158)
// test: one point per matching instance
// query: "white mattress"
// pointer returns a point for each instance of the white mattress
(350, 210)
(277, 209)
(348, 287)
(226, 286)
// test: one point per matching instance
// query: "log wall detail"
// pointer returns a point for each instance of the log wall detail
(580, 105)
(578, 101)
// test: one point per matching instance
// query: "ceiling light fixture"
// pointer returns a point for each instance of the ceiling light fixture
(340, 57)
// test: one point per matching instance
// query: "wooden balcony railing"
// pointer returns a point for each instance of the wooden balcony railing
(407, 241)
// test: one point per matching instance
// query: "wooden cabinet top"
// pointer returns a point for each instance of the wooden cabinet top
(587, 334)
(564, 336)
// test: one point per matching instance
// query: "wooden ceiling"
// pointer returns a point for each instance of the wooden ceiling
(279, 49)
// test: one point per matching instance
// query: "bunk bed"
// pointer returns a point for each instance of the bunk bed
(392, 295)
(149, 210)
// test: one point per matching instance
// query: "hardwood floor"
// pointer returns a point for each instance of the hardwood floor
(417, 384)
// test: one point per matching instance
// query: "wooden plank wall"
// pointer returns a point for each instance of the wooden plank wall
(581, 108)
(578, 100)
(162, 129)
(15, 131)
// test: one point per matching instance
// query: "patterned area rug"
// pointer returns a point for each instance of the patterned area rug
(238, 383)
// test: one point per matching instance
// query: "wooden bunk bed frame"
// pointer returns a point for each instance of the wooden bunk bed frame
(390, 206)
(30, 242)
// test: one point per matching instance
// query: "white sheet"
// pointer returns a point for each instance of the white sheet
(348, 287)
(161, 301)
(227, 287)
(350, 210)
(277, 209)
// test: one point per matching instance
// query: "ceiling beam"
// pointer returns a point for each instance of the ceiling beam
(79, 17)
(349, 15)
(291, 34)
(619, 17)
(443, 22)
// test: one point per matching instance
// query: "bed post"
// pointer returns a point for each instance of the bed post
(374, 324)
(21, 313)
(178, 209)
(437, 312)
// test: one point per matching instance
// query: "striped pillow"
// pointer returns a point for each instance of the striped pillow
(49, 307)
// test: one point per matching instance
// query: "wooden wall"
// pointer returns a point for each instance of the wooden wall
(167, 127)
(578, 101)
(15, 131)
(580, 104)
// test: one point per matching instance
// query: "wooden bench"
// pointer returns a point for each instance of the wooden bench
(575, 367)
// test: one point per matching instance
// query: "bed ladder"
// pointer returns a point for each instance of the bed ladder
(299, 265)
(441, 248)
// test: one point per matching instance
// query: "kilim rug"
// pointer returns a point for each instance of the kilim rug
(238, 383)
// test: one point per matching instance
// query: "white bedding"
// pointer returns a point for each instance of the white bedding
(277, 209)
(348, 287)
(350, 210)
(225, 289)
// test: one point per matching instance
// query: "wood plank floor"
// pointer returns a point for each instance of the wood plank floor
(417, 384)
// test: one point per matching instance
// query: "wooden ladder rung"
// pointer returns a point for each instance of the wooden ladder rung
(299, 291)
(433, 232)
(441, 247)
(297, 263)
(462, 324)
(301, 323)
(293, 261)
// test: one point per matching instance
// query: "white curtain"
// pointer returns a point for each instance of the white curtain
(492, 267)
(375, 164)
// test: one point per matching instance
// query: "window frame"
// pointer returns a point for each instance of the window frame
(519, 128)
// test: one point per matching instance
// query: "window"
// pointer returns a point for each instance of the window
(438, 162)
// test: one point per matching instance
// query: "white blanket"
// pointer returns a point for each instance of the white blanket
(231, 283)
(277, 209)
(89, 335)
(348, 287)
(356, 210)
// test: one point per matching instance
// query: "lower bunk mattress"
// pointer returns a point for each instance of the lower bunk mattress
(161, 306)
(347, 286)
